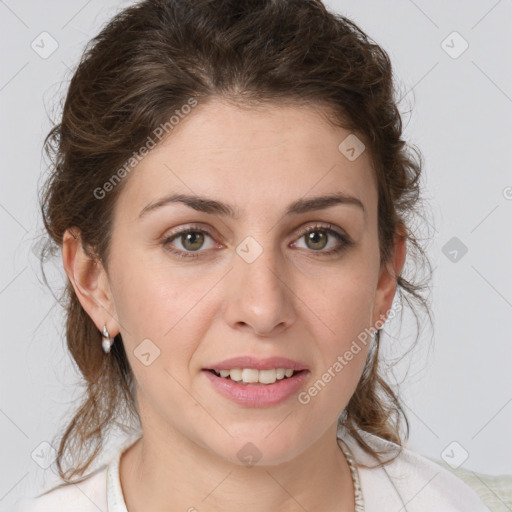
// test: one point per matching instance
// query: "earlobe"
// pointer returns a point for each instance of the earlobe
(89, 280)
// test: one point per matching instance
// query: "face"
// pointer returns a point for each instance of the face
(250, 278)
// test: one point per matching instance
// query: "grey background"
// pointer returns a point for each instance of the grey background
(459, 381)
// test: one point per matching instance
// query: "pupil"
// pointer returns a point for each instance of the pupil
(189, 237)
(314, 238)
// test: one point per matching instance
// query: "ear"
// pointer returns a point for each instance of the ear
(386, 287)
(90, 282)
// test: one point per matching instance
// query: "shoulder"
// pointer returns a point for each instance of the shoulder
(411, 482)
(92, 493)
(88, 495)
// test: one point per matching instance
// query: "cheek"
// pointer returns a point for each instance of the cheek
(149, 295)
(161, 304)
(160, 333)
(344, 302)
(342, 315)
(342, 352)
(143, 303)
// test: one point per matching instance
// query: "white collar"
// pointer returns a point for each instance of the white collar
(115, 498)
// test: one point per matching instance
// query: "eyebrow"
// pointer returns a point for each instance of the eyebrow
(214, 207)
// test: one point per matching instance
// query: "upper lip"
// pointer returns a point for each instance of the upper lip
(258, 364)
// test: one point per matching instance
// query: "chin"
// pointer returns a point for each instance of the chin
(257, 450)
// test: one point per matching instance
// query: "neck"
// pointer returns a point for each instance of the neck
(181, 476)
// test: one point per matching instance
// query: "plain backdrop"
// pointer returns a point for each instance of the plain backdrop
(453, 66)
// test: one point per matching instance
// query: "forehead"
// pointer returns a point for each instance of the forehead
(263, 157)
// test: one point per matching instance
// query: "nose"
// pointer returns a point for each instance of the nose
(259, 296)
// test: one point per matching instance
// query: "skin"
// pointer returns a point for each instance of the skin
(291, 301)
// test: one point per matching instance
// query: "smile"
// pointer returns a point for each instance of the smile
(257, 388)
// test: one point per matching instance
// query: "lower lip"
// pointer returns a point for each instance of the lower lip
(258, 395)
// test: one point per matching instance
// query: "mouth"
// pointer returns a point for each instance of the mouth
(249, 391)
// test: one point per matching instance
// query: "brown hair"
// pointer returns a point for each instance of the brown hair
(144, 65)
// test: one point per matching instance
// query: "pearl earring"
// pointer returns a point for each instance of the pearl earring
(107, 341)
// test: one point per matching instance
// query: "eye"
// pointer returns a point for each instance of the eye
(190, 239)
(317, 238)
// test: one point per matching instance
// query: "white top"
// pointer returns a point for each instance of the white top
(411, 483)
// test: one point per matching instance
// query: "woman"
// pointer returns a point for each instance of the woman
(231, 195)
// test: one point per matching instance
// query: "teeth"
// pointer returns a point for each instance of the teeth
(249, 375)
(252, 376)
(267, 376)
(235, 374)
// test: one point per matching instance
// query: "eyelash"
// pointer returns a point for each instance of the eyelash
(346, 242)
